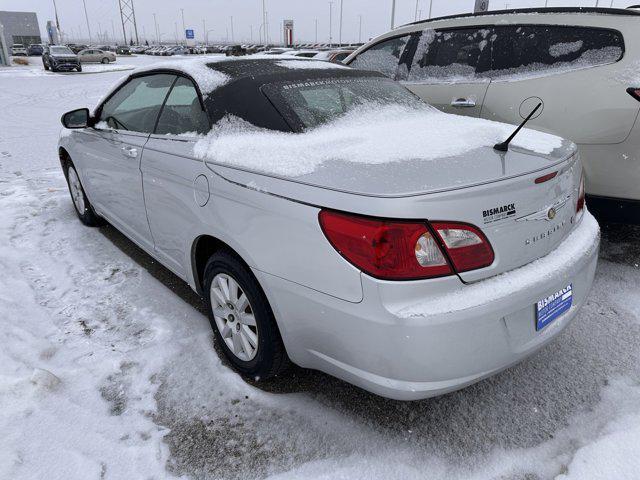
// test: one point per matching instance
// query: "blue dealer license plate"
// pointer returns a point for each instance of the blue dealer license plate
(551, 307)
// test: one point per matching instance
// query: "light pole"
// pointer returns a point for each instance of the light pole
(210, 30)
(232, 36)
(155, 22)
(251, 37)
(264, 22)
(86, 16)
(393, 13)
(175, 24)
(340, 29)
(204, 30)
(430, 7)
(316, 30)
(415, 17)
(360, 29)
(331, 24)
(184, 29)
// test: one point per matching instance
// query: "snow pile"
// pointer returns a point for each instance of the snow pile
(370, 134)
(309, 65)
(207, 78)
(565, 48)
(581, 242)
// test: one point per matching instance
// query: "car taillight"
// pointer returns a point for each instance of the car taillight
(581, 196)
(634, 92)
(466, 245)
(405, 250)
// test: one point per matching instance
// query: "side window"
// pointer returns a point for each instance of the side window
(383, 57)
(183, 113)
(459, 55)
(534, 50)
(135, 106)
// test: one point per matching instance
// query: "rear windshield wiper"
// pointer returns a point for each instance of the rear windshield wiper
(504, 146)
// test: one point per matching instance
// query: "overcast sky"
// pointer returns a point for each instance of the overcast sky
(104, 16)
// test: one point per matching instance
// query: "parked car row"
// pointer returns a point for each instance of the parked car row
(334, 219)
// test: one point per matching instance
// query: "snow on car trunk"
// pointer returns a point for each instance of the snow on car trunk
(423, 164)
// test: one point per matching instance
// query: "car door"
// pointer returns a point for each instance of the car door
(176, 184)
(569, 69)
(112, 154)
(448, 69)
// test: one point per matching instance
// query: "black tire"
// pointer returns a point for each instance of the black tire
(79, 68)
(105, 60)
(46, 67)
(271, 357)
(89, 217)
(53, 68)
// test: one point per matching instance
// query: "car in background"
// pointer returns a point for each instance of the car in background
(335, 56)
(93, 55)
(18, 50)
(76, 47)
(35, 49)
(439, 262)
(123, 50)
(177, 50)
(60, 58)
(580, 64)
(235, 51)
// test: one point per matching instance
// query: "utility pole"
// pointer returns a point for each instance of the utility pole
(330, 24)
(232, 35)
(184, 29)
(55, 9)
(393, 14)
(86, 16)
(340, 30)
(264, 23)
(360, 29)
(128, 17)
(155, 22)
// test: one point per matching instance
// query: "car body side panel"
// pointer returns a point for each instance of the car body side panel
(457, 98)
(271, 234)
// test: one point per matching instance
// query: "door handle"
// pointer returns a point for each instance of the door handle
(463, 103)
(130, 152)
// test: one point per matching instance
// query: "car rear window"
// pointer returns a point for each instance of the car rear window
(311, 103)
(61, 50)
(534, 49)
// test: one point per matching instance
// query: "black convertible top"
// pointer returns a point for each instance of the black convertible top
(242, 96)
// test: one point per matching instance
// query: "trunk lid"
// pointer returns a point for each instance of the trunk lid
(496, 192)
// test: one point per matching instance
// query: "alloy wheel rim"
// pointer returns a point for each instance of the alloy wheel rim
(76, 191)
(234, 317)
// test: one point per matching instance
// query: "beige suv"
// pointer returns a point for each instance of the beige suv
(581, 64)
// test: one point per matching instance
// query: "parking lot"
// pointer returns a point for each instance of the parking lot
(108, 368)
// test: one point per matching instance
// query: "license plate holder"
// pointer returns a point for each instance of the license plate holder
(552, 306)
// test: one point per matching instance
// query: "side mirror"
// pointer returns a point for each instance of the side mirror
(76, 118)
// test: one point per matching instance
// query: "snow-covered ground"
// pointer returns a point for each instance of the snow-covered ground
(108, 368)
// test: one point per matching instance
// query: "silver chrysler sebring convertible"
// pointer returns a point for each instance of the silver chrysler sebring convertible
(330, 218)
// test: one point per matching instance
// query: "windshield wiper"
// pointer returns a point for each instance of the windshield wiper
(504, 146)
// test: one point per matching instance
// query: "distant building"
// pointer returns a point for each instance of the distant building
(20, 27)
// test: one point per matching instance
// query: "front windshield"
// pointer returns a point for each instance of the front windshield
(61, 50)
(311, 103)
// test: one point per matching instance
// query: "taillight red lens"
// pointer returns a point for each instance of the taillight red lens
(581, 196)
(391, 250)
(634, 92)
(398, 250)
(467, 246)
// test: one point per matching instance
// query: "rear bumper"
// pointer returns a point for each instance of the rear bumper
(412, 340)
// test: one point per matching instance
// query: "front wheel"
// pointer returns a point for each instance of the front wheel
(105, 60)
(79, 68)
(241, 318)
(83, 208)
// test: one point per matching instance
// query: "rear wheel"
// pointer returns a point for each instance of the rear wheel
(105, 60)
(241, 318)
(79, 68)
(46, 67)
(85, 211)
